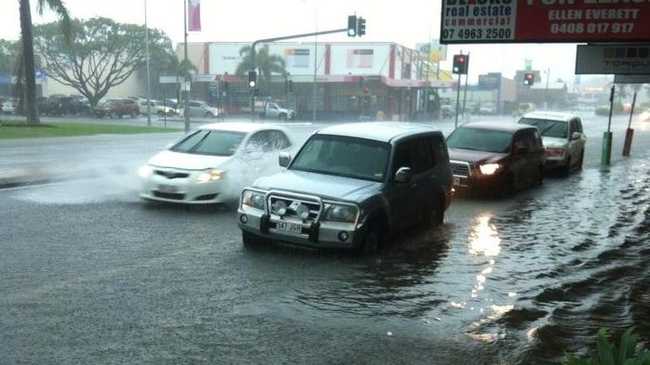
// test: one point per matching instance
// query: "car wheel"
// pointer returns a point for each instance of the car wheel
(282, 116)
(582, 160)
(509, 187)
(566, 170)
(436, 215)
(371, 242)
(252, 240)
(540, 175)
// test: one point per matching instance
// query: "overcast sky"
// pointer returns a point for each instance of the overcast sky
(403, 21)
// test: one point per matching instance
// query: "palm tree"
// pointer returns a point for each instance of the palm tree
(28, 48)
(266, 63)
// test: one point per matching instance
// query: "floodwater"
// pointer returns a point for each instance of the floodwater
(514, 281)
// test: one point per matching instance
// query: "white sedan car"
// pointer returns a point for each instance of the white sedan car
(212, 164)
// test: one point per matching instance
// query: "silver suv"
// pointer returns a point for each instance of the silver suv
(351, 186)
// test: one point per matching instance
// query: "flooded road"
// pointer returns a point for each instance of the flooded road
(515, 281)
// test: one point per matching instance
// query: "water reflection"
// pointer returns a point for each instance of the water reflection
(484, 239)
(402, 282)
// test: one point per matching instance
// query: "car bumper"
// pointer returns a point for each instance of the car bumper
(183, 191)
(480, 183)
(555, 163)
(314, 235)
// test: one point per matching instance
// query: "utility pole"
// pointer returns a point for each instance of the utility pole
(146, 36)
(188, 80)
(548, 78)
(315, 88)
(465, 94)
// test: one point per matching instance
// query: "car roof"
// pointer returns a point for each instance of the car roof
(240, 127)
(499, 126)
(555, 116)
(378, 131)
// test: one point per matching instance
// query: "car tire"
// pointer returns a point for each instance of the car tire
(436, 216)
(540, 177)
(252, 240)
(371, 242)
(582, 160)
(509, 186)
(566, 170)
(282, 116)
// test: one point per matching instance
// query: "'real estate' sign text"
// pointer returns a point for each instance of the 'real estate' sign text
(532, 21)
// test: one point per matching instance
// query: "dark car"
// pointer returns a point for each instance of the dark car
(350, 186)
(117, 108)
(496, 157)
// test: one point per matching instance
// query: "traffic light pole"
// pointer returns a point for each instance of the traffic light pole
(275, 39)
(457, 101)
(186, 99)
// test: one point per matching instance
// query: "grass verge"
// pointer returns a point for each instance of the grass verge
(13, 130)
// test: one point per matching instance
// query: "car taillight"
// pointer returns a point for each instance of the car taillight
(555, 152)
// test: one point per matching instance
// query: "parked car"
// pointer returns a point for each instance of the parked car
(487, 109)
(212, 164)
(489, 157)
(199, 109)
(350, 186)
(157, 108)
(275, 111)
(564, 139)
(117, 108)
(9, 106)
(60, 105)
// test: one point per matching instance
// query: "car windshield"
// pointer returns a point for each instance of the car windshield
(479, 139)
(344, 156)
(212, 143)
(548, 128)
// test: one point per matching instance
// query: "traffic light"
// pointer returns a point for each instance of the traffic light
(529, 79)
(252, 79)
(461, 64)
(352, 26)
(361, 27)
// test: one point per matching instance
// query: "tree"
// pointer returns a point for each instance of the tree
(8, 56)
(102, 55)
(28, 48)
(266, 63)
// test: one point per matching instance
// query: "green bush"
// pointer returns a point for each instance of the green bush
(608, 353)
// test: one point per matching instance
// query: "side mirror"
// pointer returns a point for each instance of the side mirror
(403, 175)
(576, 136)
(284, 159)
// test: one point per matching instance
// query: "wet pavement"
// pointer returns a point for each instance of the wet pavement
(88, 274)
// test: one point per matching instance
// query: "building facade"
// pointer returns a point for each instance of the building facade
(338, 80)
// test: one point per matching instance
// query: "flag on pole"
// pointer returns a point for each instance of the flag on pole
(194, 15)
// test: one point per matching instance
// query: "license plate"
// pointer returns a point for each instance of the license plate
(456, 181)
(167, 189)
(288, 227)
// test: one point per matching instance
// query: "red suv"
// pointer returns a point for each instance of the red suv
(117, 108)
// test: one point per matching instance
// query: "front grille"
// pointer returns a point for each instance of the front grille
(291, 203)
(459, 168)
(206, 197)
(172, 196)
(172, 174)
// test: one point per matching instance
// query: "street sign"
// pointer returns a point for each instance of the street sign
(632, 79)
(613, 60)
(544, 21)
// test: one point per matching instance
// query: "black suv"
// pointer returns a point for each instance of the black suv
(496, 157)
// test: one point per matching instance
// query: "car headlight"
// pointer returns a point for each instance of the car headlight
(209, 175)
(253, 199)
(145, 171)
(340, 213)
(489, 168)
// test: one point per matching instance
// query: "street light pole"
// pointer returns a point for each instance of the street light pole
(188, 81)
(146, 35)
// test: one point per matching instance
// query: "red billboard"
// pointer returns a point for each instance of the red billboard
(540, 21)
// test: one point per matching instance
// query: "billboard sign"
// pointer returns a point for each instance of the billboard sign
(491, 81)
(613, 59)
(544, 21)
(437, 52)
